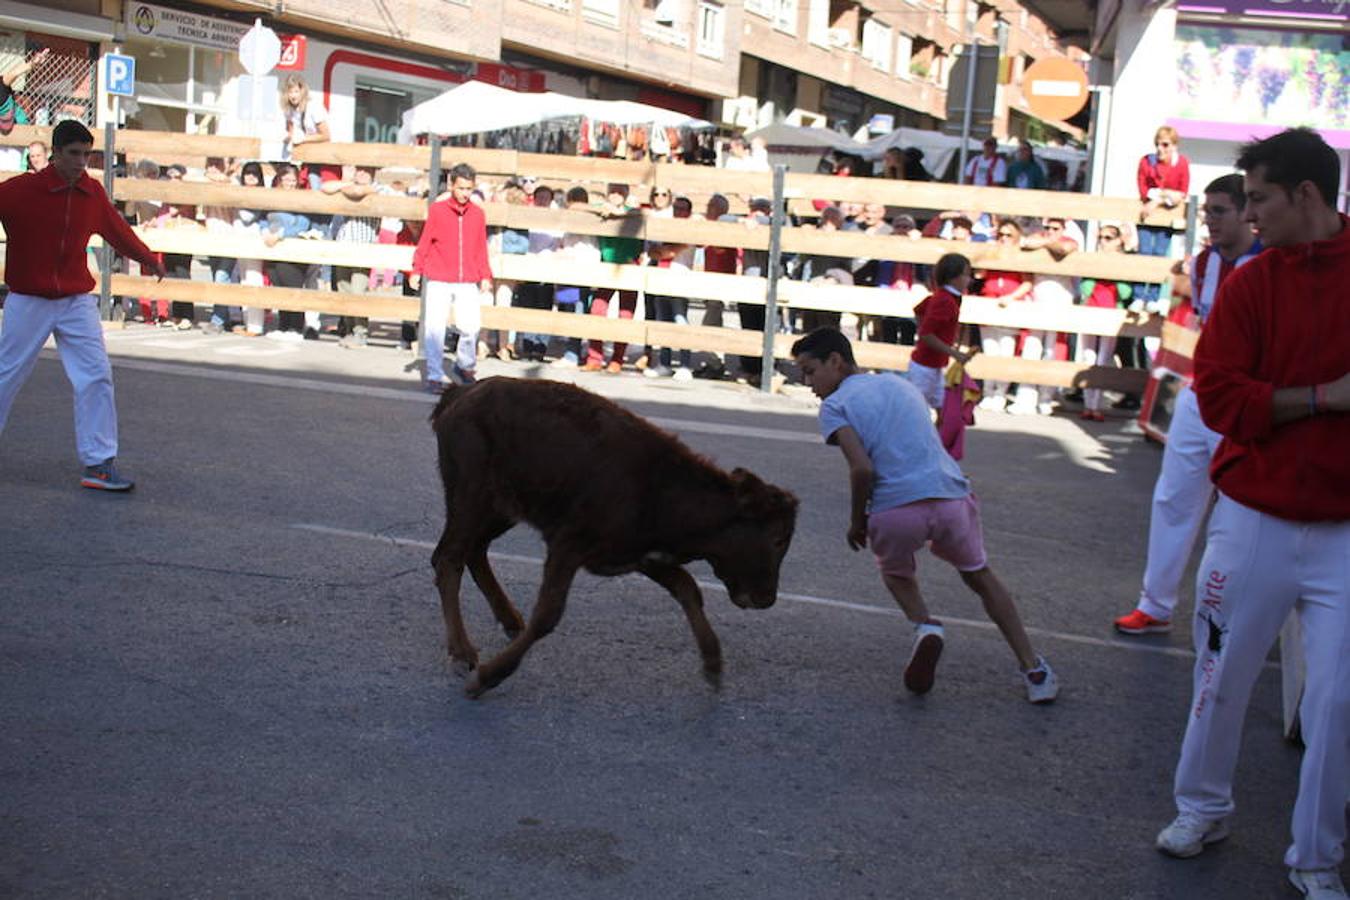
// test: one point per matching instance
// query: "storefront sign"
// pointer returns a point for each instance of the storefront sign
(292, 52)
(159, 23)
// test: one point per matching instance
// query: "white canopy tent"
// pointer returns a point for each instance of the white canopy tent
(476, 106)
(939, 150)
(801, 148)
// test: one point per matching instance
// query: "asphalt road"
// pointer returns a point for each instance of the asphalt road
(232, 683)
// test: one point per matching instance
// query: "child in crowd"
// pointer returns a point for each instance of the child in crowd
(939, 325)
(908, 492)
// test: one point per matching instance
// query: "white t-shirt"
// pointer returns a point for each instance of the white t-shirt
(892, 420)
(986, 172)
(307, 120)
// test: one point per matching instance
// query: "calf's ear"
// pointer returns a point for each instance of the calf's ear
(757, 499)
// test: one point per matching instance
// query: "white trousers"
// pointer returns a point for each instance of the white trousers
(28, 322)
(1181, 497)
(995, 341)
(1256, 569)
(1036, 345)
(1096, 350)
(443, 298)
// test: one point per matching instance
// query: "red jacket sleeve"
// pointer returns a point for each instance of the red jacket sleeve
(1144, 177)
(1183, 174)
(1232, 400)
(117, 232)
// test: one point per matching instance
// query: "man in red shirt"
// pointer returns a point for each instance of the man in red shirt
(49, 217)
(1272, 376)
(452, 260)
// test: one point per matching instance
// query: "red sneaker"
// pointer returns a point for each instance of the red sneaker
(1140, 622)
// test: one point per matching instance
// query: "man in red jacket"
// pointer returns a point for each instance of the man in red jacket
(49, 217)
(452, 259)
(1272, 376)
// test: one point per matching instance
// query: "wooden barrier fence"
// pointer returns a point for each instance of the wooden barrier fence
(698, 285)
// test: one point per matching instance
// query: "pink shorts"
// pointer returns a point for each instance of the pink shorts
(950, 527)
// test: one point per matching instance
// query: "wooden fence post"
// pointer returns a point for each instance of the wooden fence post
(434, 179)
(775, 260)
(105, 253)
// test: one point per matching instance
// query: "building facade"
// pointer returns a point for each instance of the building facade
(840, 63)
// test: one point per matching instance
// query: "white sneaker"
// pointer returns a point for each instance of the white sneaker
(923, 658)
(1189, 833)
(682, 375)
(1045, 409)
(1318, 884)
(1042, 684)
(1021, 409)
(993, 403)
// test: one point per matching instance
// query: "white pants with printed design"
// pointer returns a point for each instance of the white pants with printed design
(28, 322)
(1256, 569)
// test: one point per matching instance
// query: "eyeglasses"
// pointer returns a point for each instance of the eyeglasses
(660, 193)
(1163, 144)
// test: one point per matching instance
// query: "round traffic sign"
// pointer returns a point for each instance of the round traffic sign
(1055, 88)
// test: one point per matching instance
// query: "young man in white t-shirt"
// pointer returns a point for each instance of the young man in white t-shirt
(907, 492)
(988, 169)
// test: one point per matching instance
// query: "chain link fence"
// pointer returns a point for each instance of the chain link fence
(61, 87)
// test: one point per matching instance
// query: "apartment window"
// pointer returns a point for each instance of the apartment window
(605, 12)
(763, 8)
(818, 23)
(785, 16)
(711, 25)
(876, 44)
(904, 53)
(955, 13)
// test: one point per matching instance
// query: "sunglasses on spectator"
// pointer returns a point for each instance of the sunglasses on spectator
(1163, 144)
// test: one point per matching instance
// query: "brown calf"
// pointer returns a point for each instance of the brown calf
(609, 492)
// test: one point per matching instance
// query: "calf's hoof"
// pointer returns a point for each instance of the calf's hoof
(463, 664)
(474, 687)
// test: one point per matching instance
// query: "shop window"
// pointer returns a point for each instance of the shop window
(785, 16)
(818, 23)
(711, 29)
(179, 87)
(904, 54)
(876, 44)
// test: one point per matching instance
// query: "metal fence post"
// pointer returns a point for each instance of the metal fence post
(434, 179)
(105, 253)
(771, 295)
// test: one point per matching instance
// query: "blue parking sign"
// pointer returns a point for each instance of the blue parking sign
(119, 74)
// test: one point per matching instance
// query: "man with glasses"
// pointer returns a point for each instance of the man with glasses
(1183, 492)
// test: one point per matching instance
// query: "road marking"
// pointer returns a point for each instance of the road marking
(415, 395)
(808, 599)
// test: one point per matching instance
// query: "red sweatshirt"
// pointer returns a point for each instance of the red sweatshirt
(48, 222)
(1154, 173)
(453, 246)
(1280, 321)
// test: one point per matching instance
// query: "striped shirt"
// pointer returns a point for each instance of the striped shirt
(1209, 270)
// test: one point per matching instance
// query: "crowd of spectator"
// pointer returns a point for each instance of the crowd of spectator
(1162, 184)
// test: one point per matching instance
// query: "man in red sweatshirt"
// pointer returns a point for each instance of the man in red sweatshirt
(49, 217)
(1272, 376)
(452, 259)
